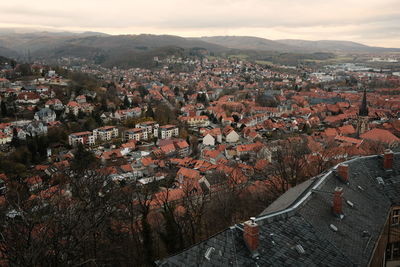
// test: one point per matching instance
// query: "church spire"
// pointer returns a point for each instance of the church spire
(364, 108)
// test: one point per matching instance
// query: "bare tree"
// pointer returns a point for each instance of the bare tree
(287, 168)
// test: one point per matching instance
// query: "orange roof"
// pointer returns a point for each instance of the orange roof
(113, 153)
(188, 173)
(129, 144)
(182, 144)
(380, 135)
(330, 132)
(41, 167)
(348, 139)
(261, 164)
(213, 154)
(346, 129)
(147, 161)
(249, 147)
(72, 104)
(169, 148)
(33, 180)
(126, 168)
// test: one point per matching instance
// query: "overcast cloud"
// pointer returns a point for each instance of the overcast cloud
(373, 22)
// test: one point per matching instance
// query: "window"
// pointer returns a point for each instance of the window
(393, 251)
(396, 217)
(396, 250)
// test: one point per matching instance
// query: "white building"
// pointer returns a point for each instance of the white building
(150, 126)
(168, 131)
(105, 133)
(85, 138)
(137, 134)
(231, 136)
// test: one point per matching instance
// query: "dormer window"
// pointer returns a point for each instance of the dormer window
(396, 216)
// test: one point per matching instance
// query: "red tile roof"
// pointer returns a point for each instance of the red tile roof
(380, 135)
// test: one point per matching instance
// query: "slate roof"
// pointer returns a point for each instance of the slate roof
(277, 248)
(306, 222)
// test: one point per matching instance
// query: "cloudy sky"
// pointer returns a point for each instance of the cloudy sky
(372, 22)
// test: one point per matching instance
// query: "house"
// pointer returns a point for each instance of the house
(209, 140)
(230, 135)
(105, 133)
(128, 147)
(182, 147)
(45, 114)
(85, 138)
(346, 130)
(5, 139)
(168, 131)
(150, 126)
(112, 156)
(86, 107)
(80, 99)
(35, 128)
(168, 149)
(72, 107)
(196, 121)
(184, 174)
(4, 83)
(212, 136)
(137, 134)
(34, 183)
(248, 149)
(42, 89)
(28, 98)
(382, 136)
(212, 156)
(54, 104)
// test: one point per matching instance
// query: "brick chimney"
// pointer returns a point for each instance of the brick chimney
(388, 159)
(337, 201)
(344, 172)
(251, 234)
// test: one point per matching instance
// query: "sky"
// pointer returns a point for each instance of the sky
(372, 22)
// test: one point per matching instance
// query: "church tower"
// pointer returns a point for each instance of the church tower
(363, 119)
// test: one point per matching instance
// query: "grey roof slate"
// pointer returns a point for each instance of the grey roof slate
(307, 221)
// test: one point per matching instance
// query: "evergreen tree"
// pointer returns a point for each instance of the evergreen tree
(127, 104)
(15, 140)
(172, 237)
(71, 116)
(32, 147)
(98, 119)
(81, 114)
(150, 112)
(83, 159)
(3, 109)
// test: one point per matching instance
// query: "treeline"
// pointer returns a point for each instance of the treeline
(31, 151)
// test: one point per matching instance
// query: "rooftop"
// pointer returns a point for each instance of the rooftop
(300, 229)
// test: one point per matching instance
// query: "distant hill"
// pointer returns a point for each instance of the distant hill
(334, 46)
(6, 52)
(104, 49)
(249, 43)
(139, 50)
(291, 45)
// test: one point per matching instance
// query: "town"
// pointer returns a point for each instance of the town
(165, 152)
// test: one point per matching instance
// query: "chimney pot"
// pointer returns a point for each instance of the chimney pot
(344, 172)
(337, 201)
(251, 234)
(388, 159)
